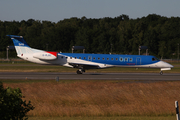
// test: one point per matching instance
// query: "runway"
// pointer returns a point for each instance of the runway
(88, 76)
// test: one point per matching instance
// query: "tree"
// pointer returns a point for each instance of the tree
(97, 35)
(162, 47)
(12, 107)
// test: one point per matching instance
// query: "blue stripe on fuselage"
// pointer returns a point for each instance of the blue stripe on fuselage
(114, 59)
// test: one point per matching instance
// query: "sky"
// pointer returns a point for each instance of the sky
(56, 10)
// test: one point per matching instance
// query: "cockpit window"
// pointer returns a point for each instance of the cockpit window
(155, 59)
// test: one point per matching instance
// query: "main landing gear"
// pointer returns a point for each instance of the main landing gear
(80, 71)
(161, 73)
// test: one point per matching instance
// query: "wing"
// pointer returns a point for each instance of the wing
(84, 66)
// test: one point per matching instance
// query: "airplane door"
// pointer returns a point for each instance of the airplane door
(138, 61)
(89, 58)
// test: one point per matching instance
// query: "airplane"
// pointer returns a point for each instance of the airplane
(84, 61)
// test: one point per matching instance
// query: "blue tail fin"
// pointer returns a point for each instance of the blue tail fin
(21, 46)
(18, 40)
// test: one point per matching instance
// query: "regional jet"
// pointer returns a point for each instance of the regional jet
(83, 61)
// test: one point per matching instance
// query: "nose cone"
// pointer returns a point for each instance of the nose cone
(162, 64)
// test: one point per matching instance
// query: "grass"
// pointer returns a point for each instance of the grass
(104, 118)
(99, 99)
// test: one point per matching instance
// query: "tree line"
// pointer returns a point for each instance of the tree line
(119, 35)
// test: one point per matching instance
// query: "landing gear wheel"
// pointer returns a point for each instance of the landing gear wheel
(161, 73)
(79, 72)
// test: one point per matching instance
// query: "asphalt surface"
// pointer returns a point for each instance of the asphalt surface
(88, 76)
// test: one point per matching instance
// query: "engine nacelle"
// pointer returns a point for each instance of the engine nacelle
(45, 55)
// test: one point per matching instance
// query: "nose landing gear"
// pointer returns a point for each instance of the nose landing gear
(161, 73)
(162, 69)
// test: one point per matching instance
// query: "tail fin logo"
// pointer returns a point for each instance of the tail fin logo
(21, 44)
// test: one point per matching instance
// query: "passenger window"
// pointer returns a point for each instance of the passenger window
(103, 58)
(84, 58)
(126, 59)
(130, 59)
(112, 58)
(70, 57)
(79, 57)
(75, 57)
(98, 58)
(116, 59)
(121, 59)
(94, 58)
(107, 58)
